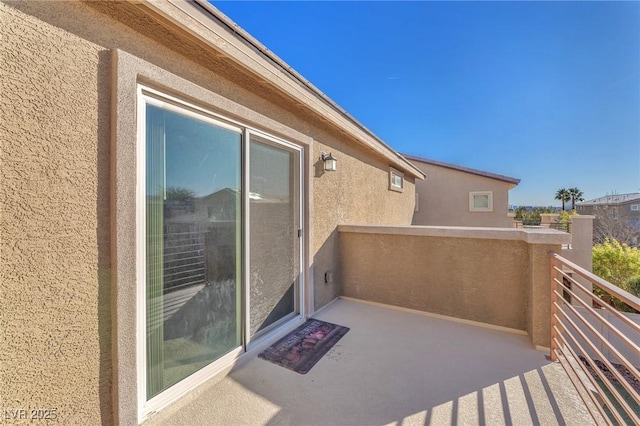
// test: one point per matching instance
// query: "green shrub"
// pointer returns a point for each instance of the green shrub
(634, 286)
(620, 265)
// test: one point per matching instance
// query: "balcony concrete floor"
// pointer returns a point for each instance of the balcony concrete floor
(394, 367)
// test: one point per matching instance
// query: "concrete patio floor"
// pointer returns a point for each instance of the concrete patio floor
(393, 367)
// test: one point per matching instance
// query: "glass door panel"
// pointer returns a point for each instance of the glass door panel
(193, 250)
(274, 221)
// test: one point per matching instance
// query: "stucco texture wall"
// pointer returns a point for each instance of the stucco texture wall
(444, 199)
(357, 193)
(54, 245)
(473, 279)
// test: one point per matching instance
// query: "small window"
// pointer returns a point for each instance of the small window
(635, 207)
(396, 180)
(417, 205)
(481, 201)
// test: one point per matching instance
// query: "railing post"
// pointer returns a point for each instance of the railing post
(553, 300)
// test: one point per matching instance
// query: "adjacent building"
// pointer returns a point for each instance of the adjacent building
(453, 195)
(609, 209)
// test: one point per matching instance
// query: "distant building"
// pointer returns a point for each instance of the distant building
(622, 207)
(626, 207)
(453, 195)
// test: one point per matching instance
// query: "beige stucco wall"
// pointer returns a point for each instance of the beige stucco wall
(581, 248)
(454, 277)
(497, 278)
(357, 193)
(54, 233)
(57, 188)
(444, 198)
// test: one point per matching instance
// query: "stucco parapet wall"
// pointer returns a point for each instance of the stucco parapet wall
(530, 236)
(583, 216)
(216, 31)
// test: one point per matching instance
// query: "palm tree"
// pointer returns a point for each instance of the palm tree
(576, 195)
(563, 195)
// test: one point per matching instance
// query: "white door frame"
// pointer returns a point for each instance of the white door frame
(300, 292)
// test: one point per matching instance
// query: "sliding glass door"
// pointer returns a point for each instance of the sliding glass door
(219, 242)
(193, 251)
(275, 234)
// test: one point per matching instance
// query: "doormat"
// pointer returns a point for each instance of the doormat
(304, 346)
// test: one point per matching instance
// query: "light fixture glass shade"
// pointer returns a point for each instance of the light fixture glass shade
(330, 163)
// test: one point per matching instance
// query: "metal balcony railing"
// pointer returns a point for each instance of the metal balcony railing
(596, 344)
(528, 223)
(561, 226)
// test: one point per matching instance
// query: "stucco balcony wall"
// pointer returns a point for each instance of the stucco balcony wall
(494, 276)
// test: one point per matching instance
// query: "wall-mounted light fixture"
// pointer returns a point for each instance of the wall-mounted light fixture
(330, 163)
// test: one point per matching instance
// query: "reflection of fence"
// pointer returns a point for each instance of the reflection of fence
(195, 253)
(183, 255)
(598, 347)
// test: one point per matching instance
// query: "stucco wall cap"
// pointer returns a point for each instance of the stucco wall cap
(530, 236)
(583, 216)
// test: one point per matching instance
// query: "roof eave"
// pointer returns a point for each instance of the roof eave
(513, 182)
(224, 36)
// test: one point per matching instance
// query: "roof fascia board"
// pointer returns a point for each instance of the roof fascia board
(191, 17)
(611, 203)
(512, 181)
(613, 199)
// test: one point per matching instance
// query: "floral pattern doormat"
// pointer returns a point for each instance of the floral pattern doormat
(303, 347)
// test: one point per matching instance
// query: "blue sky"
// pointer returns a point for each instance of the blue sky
(548, 92)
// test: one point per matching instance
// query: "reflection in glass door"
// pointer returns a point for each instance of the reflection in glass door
(192, 246)
(274, 236)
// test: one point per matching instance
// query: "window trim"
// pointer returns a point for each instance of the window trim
(474, 209)
(393, 186)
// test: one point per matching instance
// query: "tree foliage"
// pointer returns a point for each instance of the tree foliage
(531, 216)
(576, 195)
(619, 264)
(572, 194)
(565, 217)
(179, 193)
(563, 195)
(564, 220)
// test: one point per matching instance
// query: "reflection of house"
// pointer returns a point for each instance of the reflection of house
(218, 206)
(221, 205)
(453, 195)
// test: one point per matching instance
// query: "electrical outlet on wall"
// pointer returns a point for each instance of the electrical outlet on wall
(328, 277)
